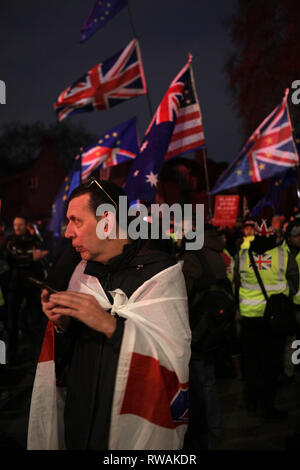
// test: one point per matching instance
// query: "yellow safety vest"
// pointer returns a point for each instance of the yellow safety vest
(272, 267)
(296, 298)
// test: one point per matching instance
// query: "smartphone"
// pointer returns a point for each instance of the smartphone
(41, 285)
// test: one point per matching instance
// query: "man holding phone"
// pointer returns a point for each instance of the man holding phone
(124, 315)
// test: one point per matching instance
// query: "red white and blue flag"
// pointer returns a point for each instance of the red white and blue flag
(150, 406)
(175, 128)
(188, 133)
(109, 83)
(262, 261)
(115, 146)
(268, 151)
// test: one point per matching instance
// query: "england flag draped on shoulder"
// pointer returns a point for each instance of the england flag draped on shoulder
(114, 147)
(149, 408)
(176, 128)
(268, 151)
(109, 83)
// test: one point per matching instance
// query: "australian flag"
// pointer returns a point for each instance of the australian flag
(114, 147)
(142, 180)
(101, 13)
(59, 207)
(109, 83)
(268, 151)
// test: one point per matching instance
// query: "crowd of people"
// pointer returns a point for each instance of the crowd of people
(209, 304)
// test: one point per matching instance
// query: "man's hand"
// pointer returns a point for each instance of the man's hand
(61, 321)
(85, 308)
(38, 254)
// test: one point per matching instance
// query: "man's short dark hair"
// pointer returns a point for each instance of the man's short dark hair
(108, 195)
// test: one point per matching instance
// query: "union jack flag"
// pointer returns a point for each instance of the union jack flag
(114, 147)
(109, 83)
(268, 151)
(263, 262)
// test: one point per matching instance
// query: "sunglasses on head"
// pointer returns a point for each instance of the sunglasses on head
(93, 180)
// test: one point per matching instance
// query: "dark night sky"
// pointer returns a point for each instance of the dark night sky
(40, 56)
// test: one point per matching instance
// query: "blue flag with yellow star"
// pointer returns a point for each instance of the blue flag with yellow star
(59, 207)
(142, 181)
(101, 13)
(269, 150)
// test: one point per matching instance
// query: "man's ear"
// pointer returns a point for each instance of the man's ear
(106, 227)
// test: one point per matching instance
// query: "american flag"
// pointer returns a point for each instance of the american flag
(109, 83)
(188, 134)
(114, 147)
(268, 151)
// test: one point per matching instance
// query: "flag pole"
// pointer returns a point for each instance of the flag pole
(136, 36)
(80, 156)
(207, 183)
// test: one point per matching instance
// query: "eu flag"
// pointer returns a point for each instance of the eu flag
(59, 207)
(101, 13)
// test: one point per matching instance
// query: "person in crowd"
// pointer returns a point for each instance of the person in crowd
(145, 339)
(23, 253)
(3, 235)
(4, 272)
(234, 350)
(201, 269)
(228, 259)
(277, 224)
(292, 243)
(247, 234)
(262, 352)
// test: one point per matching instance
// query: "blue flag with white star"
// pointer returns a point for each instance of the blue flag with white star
(59, 207)
(102, 12)
(268, 151)
(144, 172)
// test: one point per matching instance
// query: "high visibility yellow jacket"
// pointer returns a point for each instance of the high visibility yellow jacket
(296, 297)
(272, 267)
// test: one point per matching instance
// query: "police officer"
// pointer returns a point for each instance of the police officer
(23, 253)
(262, 352)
